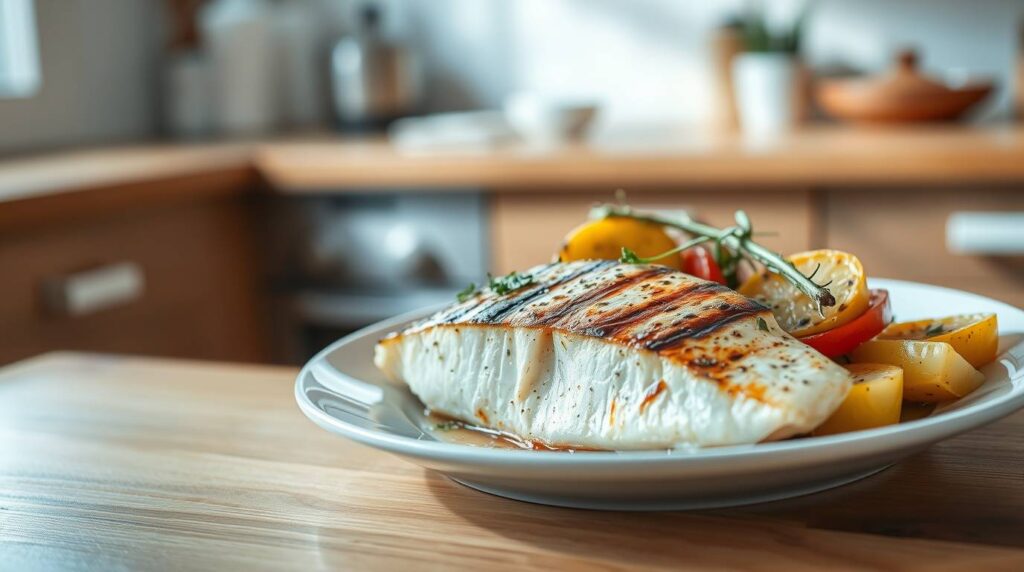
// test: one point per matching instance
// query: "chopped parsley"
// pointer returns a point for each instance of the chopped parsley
(467, 292)
(448, 426)
(500, 285)
(510, 282)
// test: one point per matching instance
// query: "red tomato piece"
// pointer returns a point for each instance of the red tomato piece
(845, 338)
(698, 261)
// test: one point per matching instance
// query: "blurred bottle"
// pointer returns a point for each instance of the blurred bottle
(187, 95)
(240, 45)
(298, 37)
(1019, 80)
(186, 101)
(374, 80)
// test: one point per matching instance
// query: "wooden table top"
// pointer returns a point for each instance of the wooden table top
(133, 463)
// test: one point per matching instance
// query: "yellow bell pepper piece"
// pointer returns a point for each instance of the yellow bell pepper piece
(973, 336)
(605, 238)
(932, 371)
(794, 310)
(875, 400)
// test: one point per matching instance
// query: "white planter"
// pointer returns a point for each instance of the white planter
(767, 92)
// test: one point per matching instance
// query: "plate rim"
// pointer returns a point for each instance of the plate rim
(921, 431)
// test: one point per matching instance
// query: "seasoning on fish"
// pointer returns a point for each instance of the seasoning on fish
(603, 355)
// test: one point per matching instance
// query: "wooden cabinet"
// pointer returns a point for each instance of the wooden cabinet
(528, 228)
(198, 297)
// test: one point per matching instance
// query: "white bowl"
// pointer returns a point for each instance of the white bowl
(542, 119)
(342, 392)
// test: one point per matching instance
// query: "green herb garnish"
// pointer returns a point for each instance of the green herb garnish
(448, 426)
(630, 257)
(499, 285)
(510, 282)
(934, 330)
(467, 292)
(732, 245)
(762, 325)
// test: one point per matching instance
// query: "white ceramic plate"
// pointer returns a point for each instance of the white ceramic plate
(341, 391)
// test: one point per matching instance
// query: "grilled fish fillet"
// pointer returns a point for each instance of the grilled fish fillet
(602, 355)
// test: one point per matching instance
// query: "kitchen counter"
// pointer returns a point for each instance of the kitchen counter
(822, 156)
(70, 185)
(826, 156)
(110, 462)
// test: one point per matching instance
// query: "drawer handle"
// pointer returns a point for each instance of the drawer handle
(985, 233)
(93, 290)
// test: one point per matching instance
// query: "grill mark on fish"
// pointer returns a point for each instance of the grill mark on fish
(462, 310)
(613, 286)
(612, 323)
(701, 326)
(504, 306)
(685, 304)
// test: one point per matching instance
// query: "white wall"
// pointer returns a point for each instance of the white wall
(648, 59)
(99, 75)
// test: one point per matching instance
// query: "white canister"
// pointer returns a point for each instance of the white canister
(240, 43)
(768, 92)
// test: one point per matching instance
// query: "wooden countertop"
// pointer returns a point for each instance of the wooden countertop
(113, 462)
(822, 156)
(70, 171)
(828, 156)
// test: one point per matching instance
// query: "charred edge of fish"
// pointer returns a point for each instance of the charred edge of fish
(613, 286)
(504, 306)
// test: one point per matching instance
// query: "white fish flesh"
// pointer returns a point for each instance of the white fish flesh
(603, 355)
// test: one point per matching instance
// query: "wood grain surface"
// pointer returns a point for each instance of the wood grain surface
(130, 463)
(815, 156)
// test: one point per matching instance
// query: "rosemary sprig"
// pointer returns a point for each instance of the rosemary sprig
(731, 244)
(630, 257)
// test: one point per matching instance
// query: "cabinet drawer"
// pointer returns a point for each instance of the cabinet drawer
(528, 228)
(902, 234)
(174, 281)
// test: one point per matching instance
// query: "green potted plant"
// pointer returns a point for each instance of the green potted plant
(768, 75)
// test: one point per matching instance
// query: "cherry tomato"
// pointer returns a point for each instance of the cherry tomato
(699, 262)
(845, 338)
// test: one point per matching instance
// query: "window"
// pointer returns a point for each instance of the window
(19, 54)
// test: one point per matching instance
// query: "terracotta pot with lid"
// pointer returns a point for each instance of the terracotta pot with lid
(901, 95)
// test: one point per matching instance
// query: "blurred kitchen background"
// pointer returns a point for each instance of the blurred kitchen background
(251, 179)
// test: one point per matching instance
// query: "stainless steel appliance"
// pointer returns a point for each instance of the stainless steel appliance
(342, 262)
